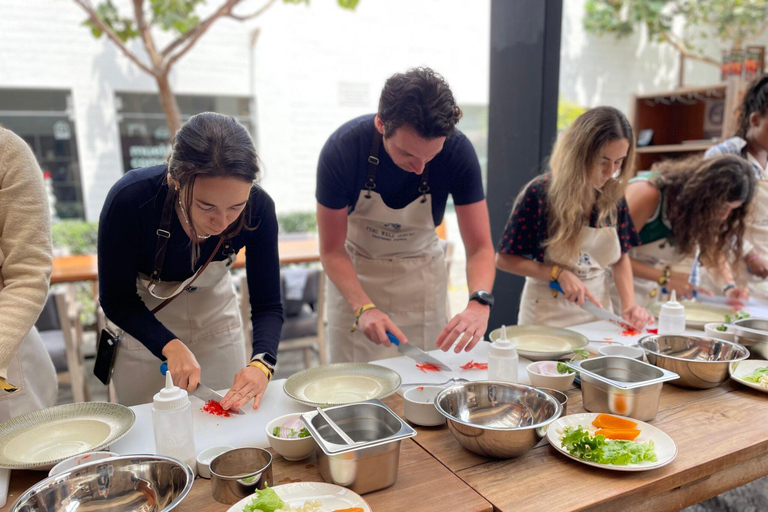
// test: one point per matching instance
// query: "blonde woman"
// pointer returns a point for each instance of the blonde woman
(572, 224)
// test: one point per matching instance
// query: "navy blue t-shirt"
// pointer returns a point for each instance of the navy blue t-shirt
(127, 241)
(526, 230)
(343, 169)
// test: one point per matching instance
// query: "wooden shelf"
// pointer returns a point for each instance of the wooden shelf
(676, 148)
(707, 89)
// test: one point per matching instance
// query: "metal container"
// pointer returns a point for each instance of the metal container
(238, 473)
(371, 463)
(756, 343)
(621, 385)
(560, 396)
(497, 419)
(119, 484)
(701, 362)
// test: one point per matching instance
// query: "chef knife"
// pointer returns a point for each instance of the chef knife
(203, 392)
(417, 354)
(593, 308)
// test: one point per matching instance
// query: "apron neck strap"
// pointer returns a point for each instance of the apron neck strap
(163, 233)
(373, 162)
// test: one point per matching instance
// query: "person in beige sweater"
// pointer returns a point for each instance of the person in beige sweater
(25, 270)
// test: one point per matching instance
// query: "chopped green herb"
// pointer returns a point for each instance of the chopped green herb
(578, 353)
(721, 328)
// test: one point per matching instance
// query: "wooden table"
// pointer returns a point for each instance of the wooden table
(85, 267)
(423, 484)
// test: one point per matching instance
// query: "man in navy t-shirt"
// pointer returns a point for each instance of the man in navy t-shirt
(382, 185)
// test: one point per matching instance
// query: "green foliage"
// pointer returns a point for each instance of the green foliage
(567, 112)
(122, 26)
(297, 222)
(76, 235)
(178, 15)
(732, 21)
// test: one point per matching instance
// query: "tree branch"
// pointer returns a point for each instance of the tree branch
(256, 14)
(680, 47)
(200, 28)
(146, 34)
(94, 17)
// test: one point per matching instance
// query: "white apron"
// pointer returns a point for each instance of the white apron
(32, 371)
(657, 254)
(401, 267)
(205, 317)
(757, 226)
(600, 249)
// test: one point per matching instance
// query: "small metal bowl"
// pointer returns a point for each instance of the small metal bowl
(701, 362)
(118, 484)
(239, 473)
(497, 419)
(756, 343)
(560, 396)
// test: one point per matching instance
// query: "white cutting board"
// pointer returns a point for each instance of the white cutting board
(237, 430)
(602, 333)
(406, 366)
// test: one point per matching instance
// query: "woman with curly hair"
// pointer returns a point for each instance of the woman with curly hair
(751, 142)
(572, 224)
(685, 205)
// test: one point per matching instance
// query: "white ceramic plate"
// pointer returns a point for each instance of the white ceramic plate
(332, 496)
(539, 343)
(40, 439)
(341, 383)
(665, 447)
(698, 314)
(741, 368)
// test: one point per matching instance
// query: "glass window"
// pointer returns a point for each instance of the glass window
(43, 119)
(144, 137)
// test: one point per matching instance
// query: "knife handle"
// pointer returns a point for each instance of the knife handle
(393, 339)
(164, 368)
(554, 285)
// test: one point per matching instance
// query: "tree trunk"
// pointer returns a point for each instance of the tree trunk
(169, 104)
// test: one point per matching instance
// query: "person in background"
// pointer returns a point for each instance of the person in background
(571, 224)
(204, 205)
(751, 142)
(25, 269)
(682, 206)
(383, 181)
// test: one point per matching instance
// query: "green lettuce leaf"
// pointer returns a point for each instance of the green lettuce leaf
(582, 445)
(266, 501)
(755, 375)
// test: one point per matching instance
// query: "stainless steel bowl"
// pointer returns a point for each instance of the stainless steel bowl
(237, 473)
(756, 343)
(149, 483)
(701, 362)
(497, 419)
(560, 396)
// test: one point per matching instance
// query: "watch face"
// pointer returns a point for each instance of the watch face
(483, 297)
(269, 359)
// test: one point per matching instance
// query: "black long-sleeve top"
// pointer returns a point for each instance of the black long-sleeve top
(126, 246)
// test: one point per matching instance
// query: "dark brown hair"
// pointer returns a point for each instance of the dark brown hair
(755, 101)
(696, 191)
(421, 99)
(212, 145)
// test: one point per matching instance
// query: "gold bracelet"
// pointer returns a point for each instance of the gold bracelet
(261, 366)
(359, 311)
(555, 273)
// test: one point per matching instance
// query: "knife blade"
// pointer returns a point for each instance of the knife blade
(593, 308)
(417, 354)
(204, 393)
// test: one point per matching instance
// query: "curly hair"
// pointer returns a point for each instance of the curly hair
(421, 99)
(755, 100)
(697, 191)
(574, 163)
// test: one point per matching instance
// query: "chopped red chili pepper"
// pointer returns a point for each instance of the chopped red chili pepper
(629, 331)
(472, 365)
(425, 367)
(420, 388)
(737, 305)
(653, 331)
(214, 408)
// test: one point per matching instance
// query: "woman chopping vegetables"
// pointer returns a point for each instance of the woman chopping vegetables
(571, 224)
(683, 206)
(174, 231)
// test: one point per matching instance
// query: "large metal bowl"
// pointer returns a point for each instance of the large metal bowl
(701, 362)
(497, 419)
(146, 483)
(757, 343)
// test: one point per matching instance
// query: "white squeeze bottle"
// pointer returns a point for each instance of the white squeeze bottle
(672, 316)
(502, 359)
(172, 423)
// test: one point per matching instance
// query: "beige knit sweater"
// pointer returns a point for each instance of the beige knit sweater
(25, 244)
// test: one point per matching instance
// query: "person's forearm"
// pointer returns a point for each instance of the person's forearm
(481, 270)
(523, 266)
(622, 276)
(645, 271)
(339, 269)
(723, 274)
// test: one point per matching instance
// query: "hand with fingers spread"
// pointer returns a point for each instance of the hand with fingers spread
(250, 384)
(182, 364)
(469, 325)
(574, 290)
(637, 317)
(375, 323)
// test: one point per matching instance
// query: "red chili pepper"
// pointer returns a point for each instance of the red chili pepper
(214, 408)
(426, 367)
(472, 365)
(420, 388)
(737, 305)
(629, 331)
(653, 331)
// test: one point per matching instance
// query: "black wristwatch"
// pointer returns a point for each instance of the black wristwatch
(483, 297)
(266, 359)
